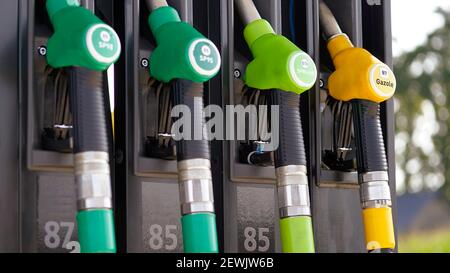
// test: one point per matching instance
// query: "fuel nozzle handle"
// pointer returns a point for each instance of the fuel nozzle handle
(182, 52)
(359, 74)
(278, 63)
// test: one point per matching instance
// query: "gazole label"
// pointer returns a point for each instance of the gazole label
(382, 80)
(103, 43)
(204, 57)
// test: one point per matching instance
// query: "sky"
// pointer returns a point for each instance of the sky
(413, 20)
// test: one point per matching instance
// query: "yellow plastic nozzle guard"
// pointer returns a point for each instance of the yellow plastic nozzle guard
(358, 75)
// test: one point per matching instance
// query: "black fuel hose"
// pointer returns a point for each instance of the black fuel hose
(370, 150)
(291, 149)
(190, 94)
(88, 110)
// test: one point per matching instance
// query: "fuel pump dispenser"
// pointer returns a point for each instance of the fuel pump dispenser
(284, 71)
(85, 47)
(366, 82)
(334, 151)
(185, 59)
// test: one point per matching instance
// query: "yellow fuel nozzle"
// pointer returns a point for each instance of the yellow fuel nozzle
(366, 81)
(358, 75)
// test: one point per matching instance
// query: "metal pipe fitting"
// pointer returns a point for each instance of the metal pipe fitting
(196, 189)
(92, 176)
(374, 190)
(293, 191)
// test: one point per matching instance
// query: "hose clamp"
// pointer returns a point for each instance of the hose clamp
(374, 190)
(195, 182)
(293, 191)
(93, 180)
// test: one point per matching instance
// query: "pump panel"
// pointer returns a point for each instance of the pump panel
(38, 194)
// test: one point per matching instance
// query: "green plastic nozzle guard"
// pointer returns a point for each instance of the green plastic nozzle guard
(182, 52)
(80, 38)
(96, 231)
(278, 63)
(297, 235)
(199, 233)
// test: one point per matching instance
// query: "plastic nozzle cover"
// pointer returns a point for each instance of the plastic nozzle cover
(80, 38)
(278, 63)
(182, 51)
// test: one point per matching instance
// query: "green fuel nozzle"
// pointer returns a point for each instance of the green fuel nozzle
(283, 71)
(80, 38)
(182, 51)
(185, 58)
(278, 63)
(85, 47)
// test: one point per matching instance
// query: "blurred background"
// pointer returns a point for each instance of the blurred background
(421, 46)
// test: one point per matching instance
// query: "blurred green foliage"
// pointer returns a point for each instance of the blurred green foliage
(423, 75)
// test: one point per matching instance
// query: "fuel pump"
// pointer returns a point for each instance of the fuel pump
(85, 47)
(185, 59)
(365, 81)
(284, 71)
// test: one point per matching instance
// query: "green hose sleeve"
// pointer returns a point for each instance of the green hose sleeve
(96, 231)
(199, 233)
(297, 235)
